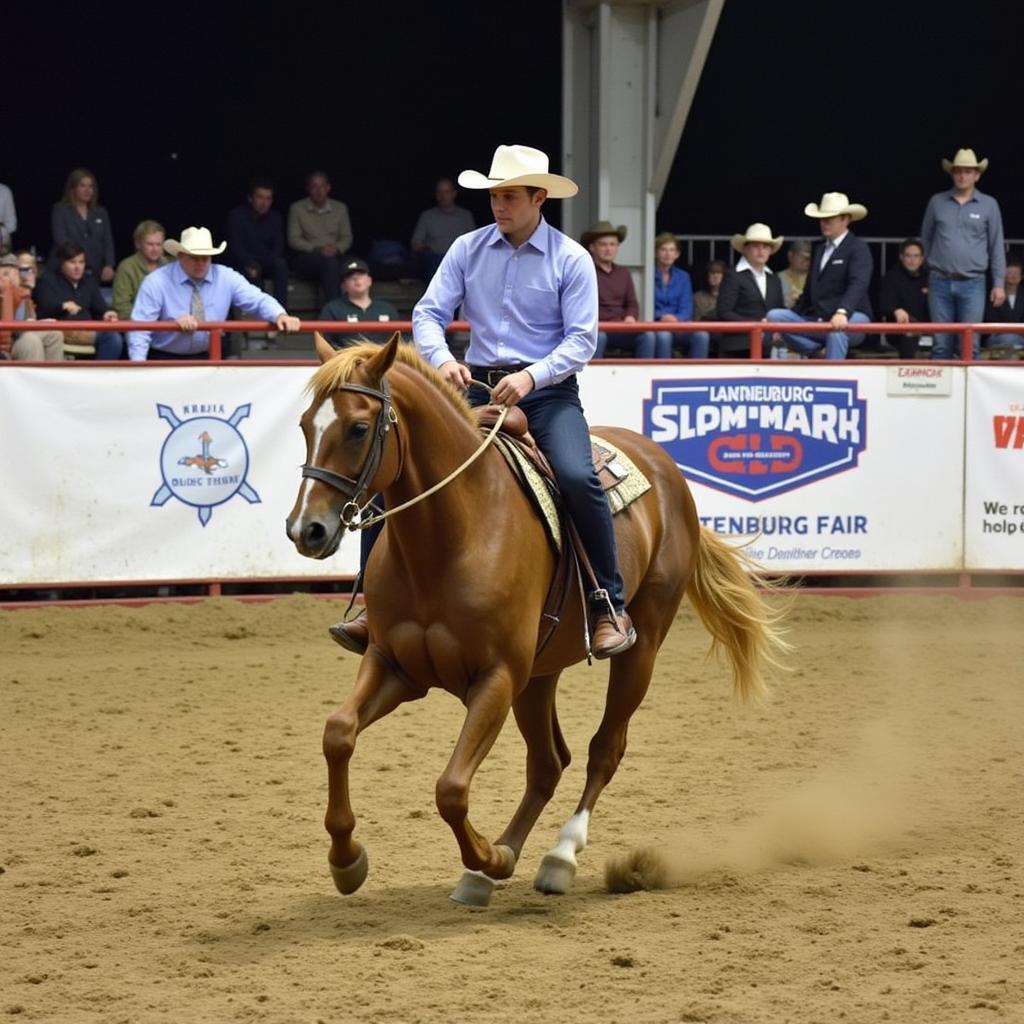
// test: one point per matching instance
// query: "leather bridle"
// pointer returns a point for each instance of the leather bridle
(355, 490)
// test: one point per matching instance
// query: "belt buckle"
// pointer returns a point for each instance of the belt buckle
(494, 376)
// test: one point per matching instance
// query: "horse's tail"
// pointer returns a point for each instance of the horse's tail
(726, 591)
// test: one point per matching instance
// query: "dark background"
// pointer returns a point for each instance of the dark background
(174, 108)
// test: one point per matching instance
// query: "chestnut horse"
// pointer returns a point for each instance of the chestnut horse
(455, 589)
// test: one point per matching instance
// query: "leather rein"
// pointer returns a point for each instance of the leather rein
(355, 490)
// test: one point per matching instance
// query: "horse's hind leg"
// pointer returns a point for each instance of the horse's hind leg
(628, 680)
(378, 691)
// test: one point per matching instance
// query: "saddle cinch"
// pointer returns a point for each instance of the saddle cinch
(622, 482)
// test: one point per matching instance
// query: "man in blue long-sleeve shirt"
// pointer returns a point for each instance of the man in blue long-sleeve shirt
(529, 293)
(962, 234)
(192, 290)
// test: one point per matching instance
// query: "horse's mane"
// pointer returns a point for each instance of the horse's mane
(338, 370)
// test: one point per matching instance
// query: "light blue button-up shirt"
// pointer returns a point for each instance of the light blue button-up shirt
(166, 294)
(535, 305)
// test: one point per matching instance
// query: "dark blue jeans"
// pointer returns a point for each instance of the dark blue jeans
(558, 424)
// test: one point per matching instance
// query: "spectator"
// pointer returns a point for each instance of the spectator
(193, 289)
(616, 296)
(673, 302)
(69, 293)
(794, 277)
(79, 218)
(962, 235)
(1011, 311)
(904, 295)
(438, 227)
(255, 239)
(8, 219)
(705, 300)
(148, 256)
(16, 304)
(837, 282)
(750, 289)
(355, 304)
(319, 234)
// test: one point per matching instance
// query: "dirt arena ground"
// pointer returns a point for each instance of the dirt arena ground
(850, 850)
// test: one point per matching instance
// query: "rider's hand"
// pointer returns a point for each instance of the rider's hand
(513, 388)
(455, 373)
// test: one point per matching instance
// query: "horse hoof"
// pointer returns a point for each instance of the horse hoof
(474, 889)
(555, 876)
(348, 879)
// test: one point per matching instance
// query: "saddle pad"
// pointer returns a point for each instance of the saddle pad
(630, 482)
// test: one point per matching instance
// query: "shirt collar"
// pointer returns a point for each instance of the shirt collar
(183, 278)
(318, 209)
(744, 264)
(539, 240)
(836, 242)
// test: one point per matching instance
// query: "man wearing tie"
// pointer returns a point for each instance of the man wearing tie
(837, 282)
(191, 290)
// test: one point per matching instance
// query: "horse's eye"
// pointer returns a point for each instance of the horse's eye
(357, 432)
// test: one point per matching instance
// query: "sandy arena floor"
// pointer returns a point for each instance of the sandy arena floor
(851, 850)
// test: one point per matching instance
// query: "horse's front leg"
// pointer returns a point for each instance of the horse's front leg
(487, 706)
(378, 691)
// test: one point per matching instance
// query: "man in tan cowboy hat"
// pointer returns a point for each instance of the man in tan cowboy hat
(530, 294)
(750, 289)
(616, 296)
(837, 282)
(191, 290)
(962, 234)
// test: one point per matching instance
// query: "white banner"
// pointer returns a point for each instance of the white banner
(833, 471)
(994, 485)
(117, 474)
(176, 473)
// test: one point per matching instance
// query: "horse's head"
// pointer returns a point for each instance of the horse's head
(352, 448)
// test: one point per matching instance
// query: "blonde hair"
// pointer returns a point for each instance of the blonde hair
(665, 238)
(147, 227)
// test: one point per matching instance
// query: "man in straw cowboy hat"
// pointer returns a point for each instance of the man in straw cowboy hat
(962, 234)
(530, 294)
(191, 290)
(750, 289)
(837, 282)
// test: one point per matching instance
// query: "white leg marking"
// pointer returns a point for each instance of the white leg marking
(573, 838)
(558, 868)
(325, 416)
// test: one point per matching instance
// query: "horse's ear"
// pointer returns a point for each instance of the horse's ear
(383, 359)
(323, 347)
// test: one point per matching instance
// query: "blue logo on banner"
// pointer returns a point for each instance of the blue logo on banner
(757, 437)
(204, 461)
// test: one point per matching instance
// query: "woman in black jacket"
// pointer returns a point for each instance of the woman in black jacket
(68, 293)
(78, 217)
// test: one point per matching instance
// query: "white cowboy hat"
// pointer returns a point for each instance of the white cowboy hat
(195, 242)
(965, 158)
(835, 204)
(520, 165)
(757, 233)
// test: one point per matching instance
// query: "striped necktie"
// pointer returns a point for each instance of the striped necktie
(196, 306)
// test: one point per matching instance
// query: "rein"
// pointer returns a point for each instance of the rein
(355, 489)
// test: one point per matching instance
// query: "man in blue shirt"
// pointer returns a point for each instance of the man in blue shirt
(191, 290)
(962, 234)
(530, 295)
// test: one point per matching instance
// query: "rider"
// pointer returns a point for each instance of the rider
(530, 295)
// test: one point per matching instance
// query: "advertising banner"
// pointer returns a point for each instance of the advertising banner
(175, 473)
(994, 485)
(823, 468)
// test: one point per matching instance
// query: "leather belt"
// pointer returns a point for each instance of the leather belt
(490, 375)
(955, 277)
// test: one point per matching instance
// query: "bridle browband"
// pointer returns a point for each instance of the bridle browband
(355, 490)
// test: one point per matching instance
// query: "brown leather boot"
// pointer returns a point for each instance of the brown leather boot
(612, 635)
(354, 636)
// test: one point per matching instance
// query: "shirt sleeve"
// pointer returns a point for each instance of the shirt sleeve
(928, 228)
(295, 239)
(108, 241)
(419, 233)
(123, 291)
(684, 309)
(436, 309)
(246, 296)
(344, 230)
(148, 304)
(630, 305)
(996, 247)
(579, 325)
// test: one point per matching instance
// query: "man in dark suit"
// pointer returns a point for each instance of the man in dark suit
(750, 289)
(837, 283)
